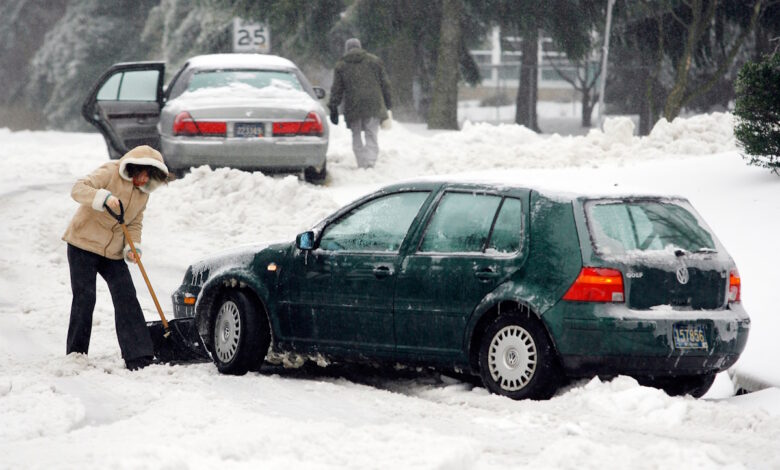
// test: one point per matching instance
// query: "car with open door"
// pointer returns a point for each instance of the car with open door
(245, 111)
(518, 286)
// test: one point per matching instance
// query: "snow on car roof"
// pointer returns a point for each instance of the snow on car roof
(240, 60)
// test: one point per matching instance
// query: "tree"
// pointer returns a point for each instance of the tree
(697, 19)
(758, 111)
(444, 103)
(568, 22)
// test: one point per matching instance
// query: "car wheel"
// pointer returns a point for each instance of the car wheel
(311, 175)
(240, 334)
(516, 358)
(693, 385)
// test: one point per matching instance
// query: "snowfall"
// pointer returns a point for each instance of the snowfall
(59, 411)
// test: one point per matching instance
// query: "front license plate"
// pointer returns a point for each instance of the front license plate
(248, 129)
(689, 337)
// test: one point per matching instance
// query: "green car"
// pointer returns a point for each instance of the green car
(521, 287)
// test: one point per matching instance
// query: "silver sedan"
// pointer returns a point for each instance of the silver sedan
(246, 111)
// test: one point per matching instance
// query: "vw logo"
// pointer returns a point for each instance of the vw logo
(682, 275)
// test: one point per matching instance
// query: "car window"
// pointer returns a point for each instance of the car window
(253, 78)
(378, 225)
(134, 85)
(461, 223)
(508, 229)
(110, 90)
(617, 227)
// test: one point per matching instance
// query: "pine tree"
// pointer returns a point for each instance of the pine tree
(758, 112)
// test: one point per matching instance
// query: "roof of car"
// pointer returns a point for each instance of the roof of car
(556, 193)
(240, 61)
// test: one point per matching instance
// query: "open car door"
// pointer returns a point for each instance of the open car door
(125, 105)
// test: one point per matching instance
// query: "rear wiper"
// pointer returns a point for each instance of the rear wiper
(706, 250)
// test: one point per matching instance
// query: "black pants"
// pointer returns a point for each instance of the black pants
(134, 339)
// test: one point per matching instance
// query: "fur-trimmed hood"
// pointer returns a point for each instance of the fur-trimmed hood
(143, 155)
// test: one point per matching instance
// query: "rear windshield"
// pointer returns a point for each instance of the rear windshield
(253, 78)
(622, 226)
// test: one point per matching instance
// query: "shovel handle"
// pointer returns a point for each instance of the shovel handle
(141, 267)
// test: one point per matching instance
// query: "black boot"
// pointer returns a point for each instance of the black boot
(139, 362)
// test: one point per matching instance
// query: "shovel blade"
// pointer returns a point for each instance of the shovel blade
(180, 344)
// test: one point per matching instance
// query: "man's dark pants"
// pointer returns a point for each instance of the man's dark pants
(134, 339)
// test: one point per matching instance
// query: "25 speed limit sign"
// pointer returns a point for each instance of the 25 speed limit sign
(251, 37)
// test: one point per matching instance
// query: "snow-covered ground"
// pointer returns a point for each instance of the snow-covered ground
(89, 412)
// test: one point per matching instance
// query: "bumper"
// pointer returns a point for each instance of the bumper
(612, 339)
(266, 153)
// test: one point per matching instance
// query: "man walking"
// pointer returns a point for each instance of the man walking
(360, 79)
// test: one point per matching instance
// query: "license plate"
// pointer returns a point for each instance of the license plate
(689, 337)
(248, 129)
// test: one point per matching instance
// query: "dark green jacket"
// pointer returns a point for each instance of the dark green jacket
(361, 81)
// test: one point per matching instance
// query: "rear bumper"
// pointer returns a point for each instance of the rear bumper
(612, 339)
(266, 153)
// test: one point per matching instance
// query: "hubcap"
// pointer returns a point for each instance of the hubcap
(227, 331)
(512, 358)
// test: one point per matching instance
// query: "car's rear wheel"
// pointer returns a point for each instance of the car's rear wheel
(693, 385)
(314, 176)
(240, 334)
(516, 358)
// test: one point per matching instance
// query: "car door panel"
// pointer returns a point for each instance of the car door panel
(342, 292)
(436, 293)
(124, 105)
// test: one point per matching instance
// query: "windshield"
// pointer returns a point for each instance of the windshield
(253, 78)
(621, 226)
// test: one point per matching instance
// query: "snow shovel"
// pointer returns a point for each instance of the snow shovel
(176, 341)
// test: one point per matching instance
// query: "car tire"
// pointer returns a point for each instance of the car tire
(693, 385)
(311, 175)
(517, 359)
(240, 334)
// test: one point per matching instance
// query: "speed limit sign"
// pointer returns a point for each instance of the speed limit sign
(251, 36)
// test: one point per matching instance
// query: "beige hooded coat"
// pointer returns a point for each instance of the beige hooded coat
(93, 228)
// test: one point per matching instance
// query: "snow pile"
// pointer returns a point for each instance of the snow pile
(481, 146)
(227, 207)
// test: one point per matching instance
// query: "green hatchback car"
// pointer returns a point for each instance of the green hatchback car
(521, 287)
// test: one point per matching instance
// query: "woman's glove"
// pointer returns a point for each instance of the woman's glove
(334, 115)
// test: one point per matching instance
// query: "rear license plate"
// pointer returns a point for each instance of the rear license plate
(248, 129)
(689, 337)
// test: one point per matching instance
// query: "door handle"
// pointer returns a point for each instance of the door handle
(381, 272)
(486, 274)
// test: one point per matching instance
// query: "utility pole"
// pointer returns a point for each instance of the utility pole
(604, 54)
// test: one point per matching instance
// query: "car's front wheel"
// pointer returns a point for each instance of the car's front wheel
(516, 358)
(240, 334)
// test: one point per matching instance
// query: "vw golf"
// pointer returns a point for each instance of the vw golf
(521, 287)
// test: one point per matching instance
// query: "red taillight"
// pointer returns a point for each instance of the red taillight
(312, 125)
(735, 286)
(184, 124)
(597, 285)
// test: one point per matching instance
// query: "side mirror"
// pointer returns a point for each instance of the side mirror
(319, 92)
(305, 241)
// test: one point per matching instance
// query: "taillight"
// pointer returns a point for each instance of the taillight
(312, 125)
(597, 285)
(735, 286)
(184, 124)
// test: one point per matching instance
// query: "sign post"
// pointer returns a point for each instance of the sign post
(251, 36)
